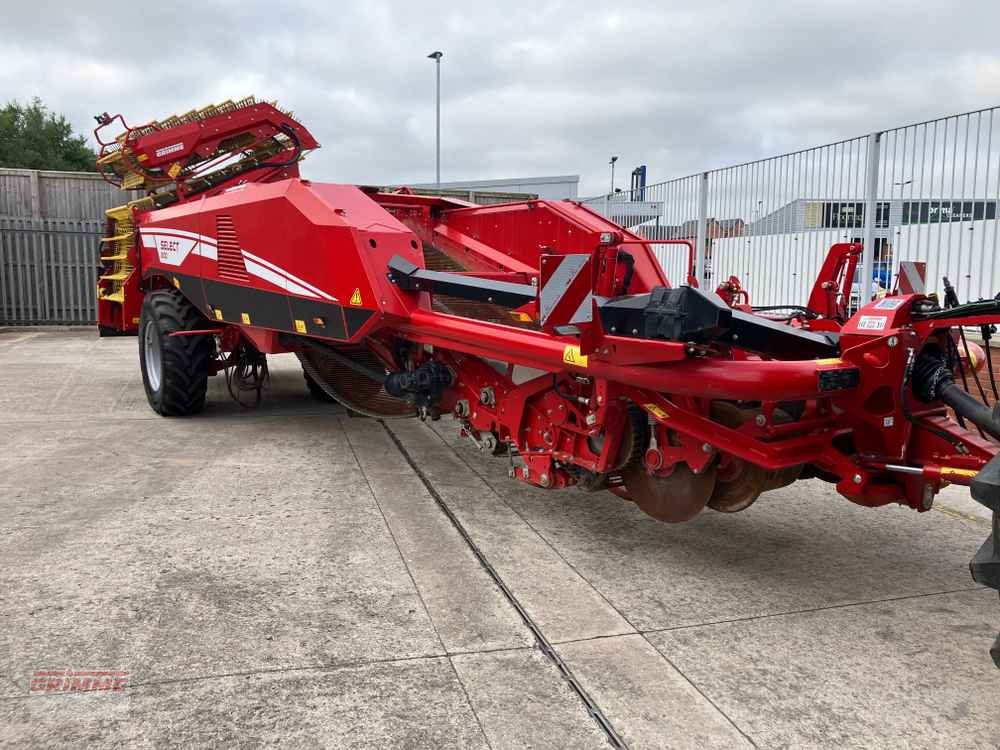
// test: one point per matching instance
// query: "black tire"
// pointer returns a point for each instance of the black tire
(317, 390)
(177, 387)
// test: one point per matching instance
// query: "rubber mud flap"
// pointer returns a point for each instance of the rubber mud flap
(986, 486)
(985, 566)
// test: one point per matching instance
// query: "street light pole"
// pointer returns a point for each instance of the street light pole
(612, 163)
(436, 57)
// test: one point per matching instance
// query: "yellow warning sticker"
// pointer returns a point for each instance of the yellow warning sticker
(830, 361)
(656, 411)
(300, 326)
(174, 169)
(245, 317)
(356, 298)
(572, 356)
(218, 313)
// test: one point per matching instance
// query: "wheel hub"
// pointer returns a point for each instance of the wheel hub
(151, 350)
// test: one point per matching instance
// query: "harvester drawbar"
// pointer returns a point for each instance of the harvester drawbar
(550, 333)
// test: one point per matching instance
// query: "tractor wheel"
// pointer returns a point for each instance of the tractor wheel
(317, 390)
(174, 368)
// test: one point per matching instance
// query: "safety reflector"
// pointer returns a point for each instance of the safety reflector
(565, 290)
(912, 277)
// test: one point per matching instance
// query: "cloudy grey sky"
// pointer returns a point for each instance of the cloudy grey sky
(529, 88)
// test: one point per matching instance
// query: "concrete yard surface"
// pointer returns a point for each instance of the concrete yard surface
(284, 576)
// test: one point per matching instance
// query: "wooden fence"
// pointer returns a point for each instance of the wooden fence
(50, 223)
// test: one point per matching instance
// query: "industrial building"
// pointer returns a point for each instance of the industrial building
(848, 214)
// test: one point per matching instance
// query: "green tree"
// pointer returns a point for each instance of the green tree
(31, 137)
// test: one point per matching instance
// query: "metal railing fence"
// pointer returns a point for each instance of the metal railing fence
(665, 211)
(927, 191)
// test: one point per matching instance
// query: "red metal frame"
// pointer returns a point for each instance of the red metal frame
(269, 258)
(692, 277)
(832, 290)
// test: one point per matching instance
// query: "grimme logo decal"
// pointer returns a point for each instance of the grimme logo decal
(169, 149)
(77, 681)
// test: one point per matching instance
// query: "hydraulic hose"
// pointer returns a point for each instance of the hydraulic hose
(933, 381)
(983, 417)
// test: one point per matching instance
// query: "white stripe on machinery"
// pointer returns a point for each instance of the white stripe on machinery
(585, 312)
(261, 272)
(294, 279)
(557, 284)
(911, 273)
(198, 244)
(180, 244)
(179, 233)
(190, 246)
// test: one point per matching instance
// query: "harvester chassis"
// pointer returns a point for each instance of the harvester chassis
(548, 332)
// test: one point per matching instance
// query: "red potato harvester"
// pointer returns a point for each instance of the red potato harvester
(550, 333)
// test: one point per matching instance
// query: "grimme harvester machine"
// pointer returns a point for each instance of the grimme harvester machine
(550, 333)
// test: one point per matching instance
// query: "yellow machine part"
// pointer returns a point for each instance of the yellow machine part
(115, 251)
